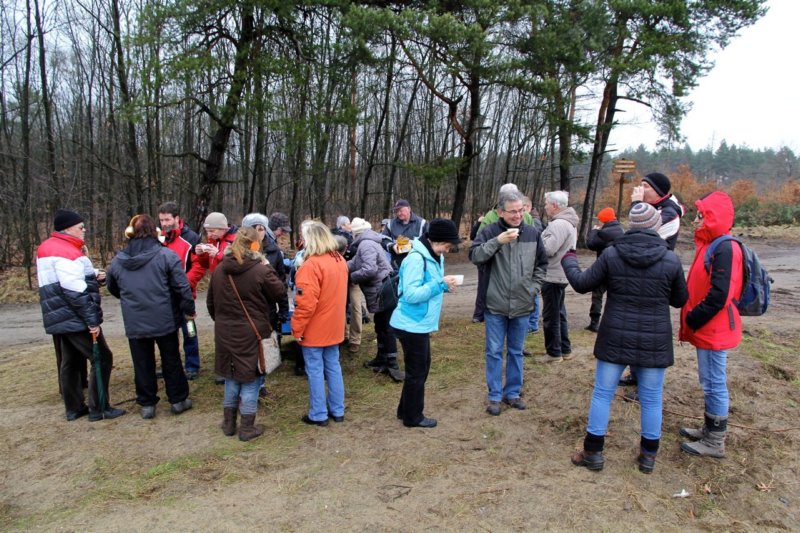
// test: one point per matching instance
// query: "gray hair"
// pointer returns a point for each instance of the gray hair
(559, 199)
(508, 187)
(508, 197)
(342, 220)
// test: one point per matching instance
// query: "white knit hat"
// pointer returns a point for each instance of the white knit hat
(359, 226)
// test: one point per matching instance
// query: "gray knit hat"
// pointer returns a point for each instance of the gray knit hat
(215, 220)
(644, 216)
(255, 219)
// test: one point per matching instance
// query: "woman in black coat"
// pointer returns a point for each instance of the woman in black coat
(150, 281)
(643, 279)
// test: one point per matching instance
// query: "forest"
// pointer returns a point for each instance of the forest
(323, 107)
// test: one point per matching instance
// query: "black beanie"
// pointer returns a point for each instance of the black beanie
(659, 182)
(66, 219)
(443, 230)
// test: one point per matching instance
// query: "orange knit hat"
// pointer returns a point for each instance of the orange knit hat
(606, 215)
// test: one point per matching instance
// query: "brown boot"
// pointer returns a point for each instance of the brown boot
(249, 430)
(229, 421)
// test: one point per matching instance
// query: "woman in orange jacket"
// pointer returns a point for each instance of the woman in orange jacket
(321, 298)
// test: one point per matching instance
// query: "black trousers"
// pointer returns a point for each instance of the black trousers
(480, 296)
(387, 342)
(417, 355)
(554, 316)
(84, 371)
(596, 310)
(143, 353)
(76, 350)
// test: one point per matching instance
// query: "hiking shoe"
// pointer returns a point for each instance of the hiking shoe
(591, 327)
(592, 460)
(307, 420)
(544, 359)
(353, 348)
(647, 461)
(148, 412)
(516, 403)
(377, 363)
(191, 375)
(74, 415)
(108, 414)
(493, 408)
(567, 356)
(424, 423)
(180, 407)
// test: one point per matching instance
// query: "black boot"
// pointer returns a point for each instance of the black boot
(591, 456)
(378, 363)
(393, 369)
(229, 421)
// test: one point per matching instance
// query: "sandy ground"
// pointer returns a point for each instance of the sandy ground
(473, 472)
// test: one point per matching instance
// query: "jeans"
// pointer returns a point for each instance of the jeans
(533, 322)
(554, 315)
(76, 350)
(191, 349)
(651, 388)
(322, 364)
(502, 330)
(143, 353)
(387, 342)
(242, 395)
(417, 357)
(596, 310)
(712, 371)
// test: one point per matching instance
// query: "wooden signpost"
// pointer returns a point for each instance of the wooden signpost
(622, 167)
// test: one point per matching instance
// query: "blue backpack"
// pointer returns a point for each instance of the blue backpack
(754, 299)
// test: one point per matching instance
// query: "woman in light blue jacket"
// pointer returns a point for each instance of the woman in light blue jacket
(422, 284)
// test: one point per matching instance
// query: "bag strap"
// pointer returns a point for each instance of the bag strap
(236, 292)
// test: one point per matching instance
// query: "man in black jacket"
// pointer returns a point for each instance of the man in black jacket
(597, 240)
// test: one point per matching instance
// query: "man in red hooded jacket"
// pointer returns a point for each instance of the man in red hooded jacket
(710, 320)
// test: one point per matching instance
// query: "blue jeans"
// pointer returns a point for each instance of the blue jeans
(322, 364)
(242, 395)
(533, 323)
(191, 350)
(712, 371)
(651, 388)
(502, 330)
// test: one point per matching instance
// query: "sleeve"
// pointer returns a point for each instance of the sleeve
(273, 288)
(367, 263)
(112, 284)
(179, 283)
(306, 298)
(670, 223)
(196, 270)
(717, 295)
(594, 242)
(553, 238)
(210, 296)
(413, 287)
(680, 292)
(483, 247)
(588, 280)
(540, 270)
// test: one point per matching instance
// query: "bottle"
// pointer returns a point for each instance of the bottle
(191, 328)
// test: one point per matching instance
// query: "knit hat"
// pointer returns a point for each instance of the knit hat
(443, 230)
(280, 221)
(215, 221)
(659, 182)
(255, 219)
(401, 203)
(644, 216)
(359, 226)
(606, 215)
(65, 218)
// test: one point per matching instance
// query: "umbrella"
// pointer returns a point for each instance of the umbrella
(98, 374)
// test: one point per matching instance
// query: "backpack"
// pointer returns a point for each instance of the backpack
(390, 289)
(754, 298)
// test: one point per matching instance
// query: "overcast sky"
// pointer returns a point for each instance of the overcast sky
(749, 98)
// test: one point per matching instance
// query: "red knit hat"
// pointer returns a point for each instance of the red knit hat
(606, 215)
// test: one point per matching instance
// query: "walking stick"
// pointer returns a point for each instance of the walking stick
(98, 374)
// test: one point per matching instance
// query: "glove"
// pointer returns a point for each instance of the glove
(570, 253)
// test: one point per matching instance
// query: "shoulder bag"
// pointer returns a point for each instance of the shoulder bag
(269, 351)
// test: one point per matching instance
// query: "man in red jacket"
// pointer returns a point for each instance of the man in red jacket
(179, 238)
(710, 320)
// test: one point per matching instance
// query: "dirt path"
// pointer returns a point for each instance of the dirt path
(473, 472)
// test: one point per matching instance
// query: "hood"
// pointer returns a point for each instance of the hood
(230, 266)
(641, 248)
(138, 253)
(717, 210)
(368, 235)
(569, 215)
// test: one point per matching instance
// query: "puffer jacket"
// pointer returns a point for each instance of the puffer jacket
(710, 319)
(515, 270)
(369, 267)
(235, 342)
(560, 235)
(643, 279)
(182, 241)
(598, 239)
(68, 290)
(421, 289)
(152, 286)
(321, 299)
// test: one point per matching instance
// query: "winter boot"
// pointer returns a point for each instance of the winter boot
(378, 364)
(249, 430)
(648, 448)
(393, 369)
(229, 421)
(713, 443)
(694, 434)
(591, 456)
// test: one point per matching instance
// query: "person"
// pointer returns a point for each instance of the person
(643, 278)
(236, 345)
(272, 252)
(560, 235)
(355, 298)
(156, 299)
(536, 221)
(598, 239)
(405, 224)
(69, 294)
(421, 287)
(368, 268)
(219, 235)
(279, 225)
(475, 227)
(710, 320)
(515, 262)
(321, 282)
(182, 240)
(343, 228)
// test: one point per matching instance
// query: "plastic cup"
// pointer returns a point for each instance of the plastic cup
(459, 278)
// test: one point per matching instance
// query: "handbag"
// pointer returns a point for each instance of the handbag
(269, 350)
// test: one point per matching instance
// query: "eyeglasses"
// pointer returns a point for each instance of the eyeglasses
(515, 212)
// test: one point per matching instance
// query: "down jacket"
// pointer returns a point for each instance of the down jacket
(710, 320)
(515, 270)
(235, 342)
(68, 290)
(643, 279)
(369, 267)
(151, 284)
(321, 299)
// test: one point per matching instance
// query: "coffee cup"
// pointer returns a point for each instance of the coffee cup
(459, 279)
(513, 231)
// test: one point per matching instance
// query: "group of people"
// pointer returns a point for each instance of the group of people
(338, 271)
